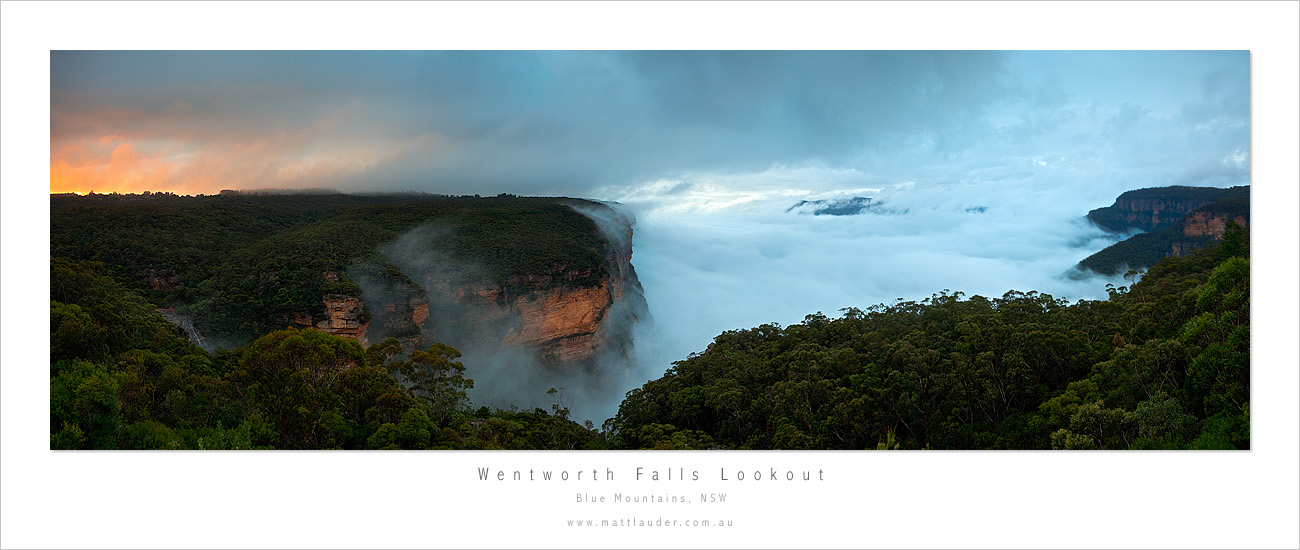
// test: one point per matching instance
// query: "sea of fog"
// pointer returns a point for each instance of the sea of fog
(712, 260)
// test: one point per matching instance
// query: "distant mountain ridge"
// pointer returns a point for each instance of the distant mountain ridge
(850, 207)
(1155, 208)
(833, 207)
(1175, 221)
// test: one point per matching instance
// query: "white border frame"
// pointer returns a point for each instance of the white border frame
(941, 499)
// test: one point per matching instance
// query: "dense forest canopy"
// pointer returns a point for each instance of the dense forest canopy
(244, 263)
(1161, 364)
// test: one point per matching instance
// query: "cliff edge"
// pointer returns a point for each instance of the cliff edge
(1174, 221)
(564, 317)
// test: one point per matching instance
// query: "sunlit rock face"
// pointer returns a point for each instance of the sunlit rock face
(1212, 224)
(561, 321)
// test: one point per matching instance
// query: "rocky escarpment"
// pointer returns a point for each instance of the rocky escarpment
(1158, 207)
(1211, 223)
(559, 320)
(562, 324)
(573, 317)
(345, 316)
(1206, 225)
(1196, 229)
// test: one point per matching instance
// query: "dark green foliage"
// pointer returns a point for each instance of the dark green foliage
(1219, 376)
(1162, 365)
(1163, 424)
(122, 377)
(531, 430)
(292, 377)
(413, 431)
(119, 372)
(93, 317)
(433, 377)
(1225, 431)
(1139, 251)
(250, 264)
(666, 437)
(83, 406)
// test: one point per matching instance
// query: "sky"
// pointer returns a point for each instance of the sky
(574, 122)
(980, 165)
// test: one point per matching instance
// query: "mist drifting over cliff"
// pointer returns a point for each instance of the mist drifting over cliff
(518, 339)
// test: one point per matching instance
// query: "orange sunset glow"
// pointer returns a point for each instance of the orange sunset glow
(111, 164)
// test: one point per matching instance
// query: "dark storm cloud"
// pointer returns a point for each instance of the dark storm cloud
(536, 122)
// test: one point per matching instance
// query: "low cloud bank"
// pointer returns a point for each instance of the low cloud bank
(720, 256)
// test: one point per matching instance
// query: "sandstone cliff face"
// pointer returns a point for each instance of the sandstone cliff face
(560, 320)
(1150, 214)
(419, 311)
(1146, 214)
(1151, 209)
(622, 274)
(1212, 224)
(562, 323)
(343, 317)
(1203, 227)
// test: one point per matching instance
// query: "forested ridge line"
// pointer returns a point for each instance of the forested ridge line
(245, 264)
(1173, 221)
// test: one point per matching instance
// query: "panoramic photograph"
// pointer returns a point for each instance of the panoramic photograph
(628, 250)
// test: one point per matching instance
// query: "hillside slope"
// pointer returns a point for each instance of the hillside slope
(1175, 222)
(504, 271)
